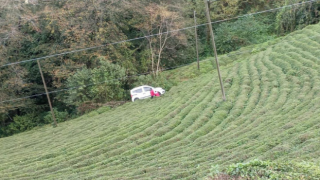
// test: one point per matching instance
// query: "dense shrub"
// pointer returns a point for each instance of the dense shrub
(60, 116)
(98, 85)
(291, 19)
(257, 169)
(231, 36)
(23, 123)
(29, 121)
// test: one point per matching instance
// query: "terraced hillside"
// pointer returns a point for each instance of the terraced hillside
(272, 112)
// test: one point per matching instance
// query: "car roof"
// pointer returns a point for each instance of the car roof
(141, 87)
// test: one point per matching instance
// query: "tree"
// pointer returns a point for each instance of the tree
(231, 36)
(293, 18)
(159, 19)
(97, 85)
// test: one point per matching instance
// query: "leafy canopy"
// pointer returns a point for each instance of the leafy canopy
(97, 85)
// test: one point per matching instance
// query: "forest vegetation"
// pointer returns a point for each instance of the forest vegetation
(38, 28)
(268, 128)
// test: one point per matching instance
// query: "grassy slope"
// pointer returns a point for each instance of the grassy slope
(272, 112)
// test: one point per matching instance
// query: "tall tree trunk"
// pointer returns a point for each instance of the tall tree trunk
(152, 57)
(208, 37)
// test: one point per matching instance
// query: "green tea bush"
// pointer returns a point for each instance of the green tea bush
(268, 114)
(93, 113)
(103, 109)
(257, 169)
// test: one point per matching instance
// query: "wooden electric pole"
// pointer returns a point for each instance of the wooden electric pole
(214, 47)
(196, 35)
(45, 88)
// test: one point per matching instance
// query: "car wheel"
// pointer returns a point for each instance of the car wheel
(135, 99)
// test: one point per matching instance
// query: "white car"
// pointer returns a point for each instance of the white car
(143, 92)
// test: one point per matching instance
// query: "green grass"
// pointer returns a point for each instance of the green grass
(272, 113)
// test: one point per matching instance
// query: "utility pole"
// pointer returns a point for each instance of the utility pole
(196, 35)
(49, 101)
(214, 47)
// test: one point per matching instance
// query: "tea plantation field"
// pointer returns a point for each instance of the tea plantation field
(272, 113)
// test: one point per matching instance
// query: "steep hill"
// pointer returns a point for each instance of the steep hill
(272, 113)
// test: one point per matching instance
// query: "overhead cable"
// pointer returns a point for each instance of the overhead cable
(170, 68)
(143, 37)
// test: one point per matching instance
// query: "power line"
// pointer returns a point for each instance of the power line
(92, 84)
(269, 10)
(170, 68)
(143, 37)
(143, 73)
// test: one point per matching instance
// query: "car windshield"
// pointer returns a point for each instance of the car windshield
(138, 90)
(147, 89)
